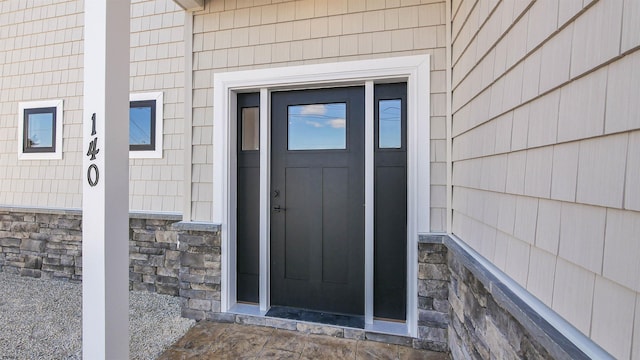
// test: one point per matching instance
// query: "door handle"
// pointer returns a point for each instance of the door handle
(277, 208)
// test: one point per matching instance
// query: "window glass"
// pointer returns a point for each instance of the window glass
(317, 126)
(141, 125)
(389, 124)
(39, 129)
(250, 128)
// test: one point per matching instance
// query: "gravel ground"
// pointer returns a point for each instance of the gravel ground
(42, 319)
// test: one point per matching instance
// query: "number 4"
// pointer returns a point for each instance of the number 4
(93, 150)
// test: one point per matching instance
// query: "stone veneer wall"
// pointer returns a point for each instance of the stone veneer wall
(433, 297)
(36, 244)
(200, 270)
(47, 244)
(154, 258)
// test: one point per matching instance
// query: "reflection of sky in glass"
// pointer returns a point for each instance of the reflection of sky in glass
(40, 129)
(390, 128)
(140, 126)
(318, 126)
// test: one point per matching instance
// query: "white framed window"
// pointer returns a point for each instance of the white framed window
(145, 125)
(40, 130)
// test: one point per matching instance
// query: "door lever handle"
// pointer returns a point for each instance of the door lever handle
(277, 208)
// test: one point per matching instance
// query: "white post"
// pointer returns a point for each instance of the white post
(105, 175)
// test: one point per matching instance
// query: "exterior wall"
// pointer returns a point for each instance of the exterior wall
(41, 58)
(545, 154)
(157, 64)
(239, 35)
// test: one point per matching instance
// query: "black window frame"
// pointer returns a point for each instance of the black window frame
(25, 130)
(144, 104)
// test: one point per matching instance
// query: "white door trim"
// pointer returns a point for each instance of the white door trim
(265, 200)
(369, 133)
(413, 69)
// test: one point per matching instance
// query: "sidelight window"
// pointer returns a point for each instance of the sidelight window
(250, 128)
(390, 124)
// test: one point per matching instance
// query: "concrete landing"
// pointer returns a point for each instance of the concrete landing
(210, 340)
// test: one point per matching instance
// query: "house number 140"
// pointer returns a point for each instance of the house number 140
(93, 175)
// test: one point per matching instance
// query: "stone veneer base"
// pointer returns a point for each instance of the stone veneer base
(462, 307)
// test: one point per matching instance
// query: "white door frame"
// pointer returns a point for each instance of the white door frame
(412, 69)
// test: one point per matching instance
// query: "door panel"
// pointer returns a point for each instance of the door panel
(335, 202)
(299, 221)
(317, 234)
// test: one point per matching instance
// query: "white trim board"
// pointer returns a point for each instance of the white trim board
(412, 69)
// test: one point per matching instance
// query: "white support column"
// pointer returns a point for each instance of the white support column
(105, 175)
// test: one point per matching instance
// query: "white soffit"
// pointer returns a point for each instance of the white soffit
(190, 5)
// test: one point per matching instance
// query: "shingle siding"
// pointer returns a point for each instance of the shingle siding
(240, 35)
(551, 84)
(41, 58)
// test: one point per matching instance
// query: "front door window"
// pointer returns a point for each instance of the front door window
(317, 126)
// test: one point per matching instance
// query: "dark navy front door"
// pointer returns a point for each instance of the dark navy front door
(317, 197)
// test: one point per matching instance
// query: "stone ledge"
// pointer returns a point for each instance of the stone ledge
(78, 212)
(155, 215)
(432, 238)
(37, 210)
(196, 226)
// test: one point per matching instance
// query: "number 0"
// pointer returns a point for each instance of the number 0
(93, 180)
